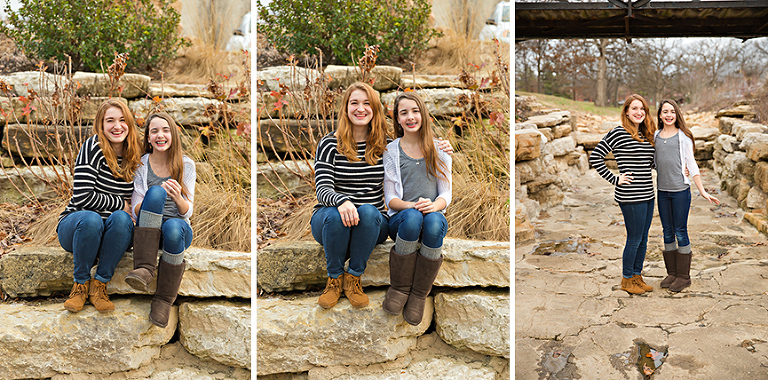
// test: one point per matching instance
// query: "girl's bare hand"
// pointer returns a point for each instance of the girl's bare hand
(625, 178)
(348, 213)
(172, 188)
(445, 146)
(424, 205)
(710, 198)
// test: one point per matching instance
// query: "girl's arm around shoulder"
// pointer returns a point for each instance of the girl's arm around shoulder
(189, 178)
(445, 184)
(391, 175)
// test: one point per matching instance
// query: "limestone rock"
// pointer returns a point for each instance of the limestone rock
(606, 126)
(524, 231)
(185, 111)
(761, 175)
(292, 76)
(296, 335)
(704, 150)
(290, 266)
(439, 101)
(588, 140)
(294, 106)
(218, 330)
(562, 130)
(551, 120)
(726, 124)
(271, 136)
(43, 271)
(561, 146)
(283, 176)
(527, 144)
(387, 77)
(429, 81)
(488, 333)
(529, 170)
(726, 143)
(174, 363)
(179, 90)
(43, 84)
(20, 137)
(39, 341)
(743, 111)
(35, 178)
(741, 129)
(94, 84)
(756, 198)
(525, 125)
(549, 196)
(705, 134)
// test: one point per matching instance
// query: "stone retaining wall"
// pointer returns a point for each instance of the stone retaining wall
(39, 339)
(546, 157)
(469, 309)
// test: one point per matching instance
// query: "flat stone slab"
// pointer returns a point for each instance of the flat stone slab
(43, 271)
(488, 333)
(297, 335)
(439, 101)
(41, 341)
(174, 363)
(185, 111)
(431, 359)
(297, 265)
(217, 330)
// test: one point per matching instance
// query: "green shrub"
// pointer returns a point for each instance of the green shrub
(92, 31)
(340, 29)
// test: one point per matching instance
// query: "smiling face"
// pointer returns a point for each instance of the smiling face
(359, 109)
(159, 135)
(668, 115)
(636, 112)
(115, 127)
(409, 116)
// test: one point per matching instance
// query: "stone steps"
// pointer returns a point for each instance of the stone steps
(296, 336)
(39, 339)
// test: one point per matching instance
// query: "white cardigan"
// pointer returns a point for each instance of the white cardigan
(393, 185)
(686, 155)
(140, 184)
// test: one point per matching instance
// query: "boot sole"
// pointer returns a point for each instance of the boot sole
(137, 283)
(72, 309)
(156, 323)
(326, 306)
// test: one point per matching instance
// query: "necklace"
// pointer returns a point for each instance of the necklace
(413, 155)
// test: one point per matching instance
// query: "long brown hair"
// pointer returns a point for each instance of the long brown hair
(131, 149)
(175, 154)
(646, 128)
(679, 121)
(425, 133)
(376, 143)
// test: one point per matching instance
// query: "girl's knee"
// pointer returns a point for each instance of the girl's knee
(156, 192)
(91, 221)
(367, 211)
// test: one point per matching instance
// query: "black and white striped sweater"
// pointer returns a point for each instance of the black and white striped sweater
(338, 180)
(95, 188)
(631, 156)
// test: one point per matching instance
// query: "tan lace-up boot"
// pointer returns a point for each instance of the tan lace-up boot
(639, 279)
(354, 291)
(77, 297)
(97, 296)
(331, 294)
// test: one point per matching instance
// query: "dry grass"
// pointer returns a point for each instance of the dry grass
(43, 231)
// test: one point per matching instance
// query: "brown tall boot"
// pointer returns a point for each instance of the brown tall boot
(354, 291)
(97, 296)
(424, 275)
(77, 297)
(146, 242)
(683, 279)
(168, 282)
(671, 264)
(401, 269)
(332, 293)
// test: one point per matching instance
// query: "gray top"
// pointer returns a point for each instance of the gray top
(417, 182)
(668, 164)
(170, 210)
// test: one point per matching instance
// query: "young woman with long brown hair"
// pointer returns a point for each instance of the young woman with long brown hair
(164, 190)
(632, 146)
(417, 189)
(674, 154)
(96, 222)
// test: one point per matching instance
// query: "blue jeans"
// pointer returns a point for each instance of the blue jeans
(177, 234)
(88, 237)
(357, 241)
(412, 224)
(637, 221)
(673, 212)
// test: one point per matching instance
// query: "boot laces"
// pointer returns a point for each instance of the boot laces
(332, 284)
(101, 291)
(355, 285)
(78, 291)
